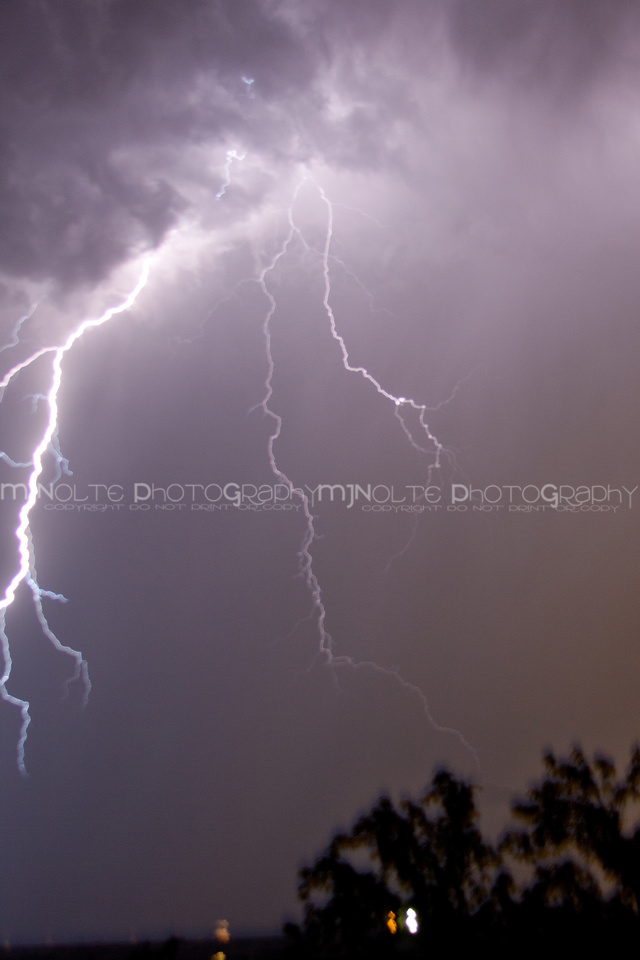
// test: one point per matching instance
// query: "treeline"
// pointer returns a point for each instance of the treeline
(564, 877)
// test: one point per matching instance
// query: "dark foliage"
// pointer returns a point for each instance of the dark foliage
(576, 858)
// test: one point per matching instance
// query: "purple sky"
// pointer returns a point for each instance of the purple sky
(479, 159)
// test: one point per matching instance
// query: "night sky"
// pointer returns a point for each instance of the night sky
(454, 187)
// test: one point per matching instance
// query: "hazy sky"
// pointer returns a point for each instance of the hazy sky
(441, 195)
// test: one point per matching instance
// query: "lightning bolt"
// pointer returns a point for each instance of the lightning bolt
(426, 442)
(26, 570)
(231, 156)
(420, 437)
(249, 82)
(15, 333)
(398, 402)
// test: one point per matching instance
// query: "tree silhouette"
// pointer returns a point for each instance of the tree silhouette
(581, 857)
(579, 811)
(428, 856)
(355, 912)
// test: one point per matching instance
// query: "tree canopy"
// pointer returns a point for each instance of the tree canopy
(418, 878)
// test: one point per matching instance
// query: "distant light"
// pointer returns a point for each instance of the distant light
(391, 922)
(222, 931)
(412, 921)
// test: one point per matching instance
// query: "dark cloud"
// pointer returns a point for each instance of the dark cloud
(102, 99)
(95, 93)
(563, 48)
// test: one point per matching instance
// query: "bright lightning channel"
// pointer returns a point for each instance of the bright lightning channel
(26, 572)
(305, 556)
(231, 156)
